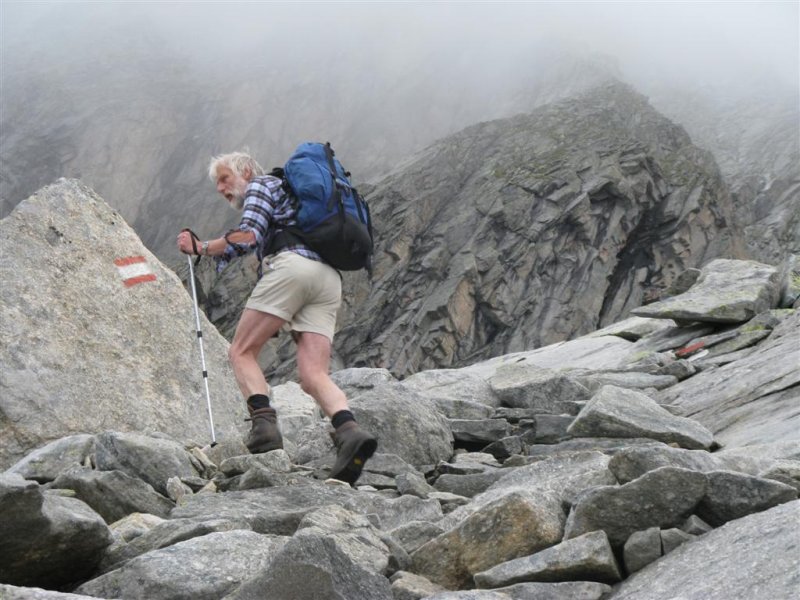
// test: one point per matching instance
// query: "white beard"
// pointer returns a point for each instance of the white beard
(237, 203)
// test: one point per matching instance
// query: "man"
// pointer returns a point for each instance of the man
(296, 287)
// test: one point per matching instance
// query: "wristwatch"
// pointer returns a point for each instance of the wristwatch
(204, 248)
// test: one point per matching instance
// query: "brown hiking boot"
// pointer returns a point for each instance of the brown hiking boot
(264, 433)
(353, 447)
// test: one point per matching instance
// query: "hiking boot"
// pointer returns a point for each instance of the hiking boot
(264, 433)
(353, 447)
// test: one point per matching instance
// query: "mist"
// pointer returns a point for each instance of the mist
(133, 97)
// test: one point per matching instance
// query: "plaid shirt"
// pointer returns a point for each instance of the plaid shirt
(267, 209)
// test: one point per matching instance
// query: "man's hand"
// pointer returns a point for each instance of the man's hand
(185, 242)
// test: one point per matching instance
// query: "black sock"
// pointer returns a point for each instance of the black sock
(257, 401)
(341, 417)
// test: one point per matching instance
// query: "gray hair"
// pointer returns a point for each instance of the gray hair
(237, 162)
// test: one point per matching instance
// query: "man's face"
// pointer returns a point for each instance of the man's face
(231, 186)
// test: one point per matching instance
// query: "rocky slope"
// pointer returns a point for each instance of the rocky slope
(595, 468)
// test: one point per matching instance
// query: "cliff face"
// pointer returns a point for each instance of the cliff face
(519, 233)
(755, 140)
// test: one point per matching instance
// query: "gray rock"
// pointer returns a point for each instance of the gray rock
(484, 431)
(727, 291)
(551, 429)
(113, 494)
(506, 447)
(674, 537)
(616, 412)
(12, 592)
(48, 539)
(642, 548)
(634, 328)
(785, 471)
(610, 446)
(567, 590)
(353, 533)
(356, 380)
(458, 408)
(664, 497)
(470, 595)
(296, 411)
(390, 465)
(134, 525)
(628, 380)
(516, 524)
(668, 339)
(752, 557)
(632, 463)
(163, 535)
(414, 484)
(790, 281)
(683, 282)
(408, 586)
(734, 495)
(47, 463)
(82, 352)
(151, 459)
(441, 385)
(405, 423)
(749, 401)
(204, 567)
(276, 461)
(313, 567)
(695, 526)
(414, 534)
(585, 558)
(607, 352)
(564, 477)
(519, 385)
(468, 485)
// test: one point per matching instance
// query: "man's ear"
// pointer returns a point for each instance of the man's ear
(247, 173)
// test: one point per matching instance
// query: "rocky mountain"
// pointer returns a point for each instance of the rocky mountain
(140, 129)
(660, 453)
(522, 232)
(754, 137)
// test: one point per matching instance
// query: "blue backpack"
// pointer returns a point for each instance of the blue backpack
(332, 219)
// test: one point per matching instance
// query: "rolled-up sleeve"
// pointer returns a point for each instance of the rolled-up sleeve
(258, 211)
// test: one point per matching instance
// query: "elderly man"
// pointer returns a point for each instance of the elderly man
(296, 287)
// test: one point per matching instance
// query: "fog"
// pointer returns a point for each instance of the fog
(700, 42)
(133, 97)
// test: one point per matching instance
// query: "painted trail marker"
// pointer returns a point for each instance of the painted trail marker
(134, 270)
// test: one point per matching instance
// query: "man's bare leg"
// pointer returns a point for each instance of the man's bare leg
(353, 445)
(255, 329)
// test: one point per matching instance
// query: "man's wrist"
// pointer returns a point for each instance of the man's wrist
(204, 248)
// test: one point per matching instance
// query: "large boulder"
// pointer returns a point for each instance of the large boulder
(48, 540)
(313, 566)
(406, 423)
(663, 497)
(617, 412)
(728, 291)
(97, 333)
(202, 568)
(752, 557)
(516, 524)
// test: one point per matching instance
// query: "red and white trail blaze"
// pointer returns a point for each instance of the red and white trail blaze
(134, 270)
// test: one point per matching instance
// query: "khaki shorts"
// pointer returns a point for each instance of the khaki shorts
(306, 293)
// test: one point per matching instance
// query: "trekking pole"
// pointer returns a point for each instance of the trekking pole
(202, 353)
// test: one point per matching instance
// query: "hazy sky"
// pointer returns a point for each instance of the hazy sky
(693, 41)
